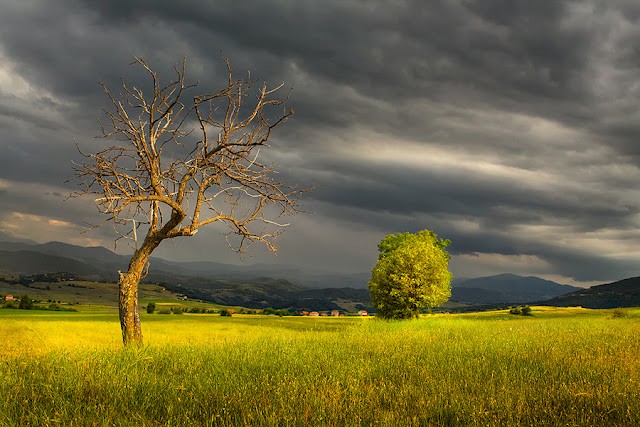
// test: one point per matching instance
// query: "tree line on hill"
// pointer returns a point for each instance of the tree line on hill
(24, 302)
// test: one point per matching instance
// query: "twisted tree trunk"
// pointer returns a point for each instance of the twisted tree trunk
(128, 295)
(129, 309)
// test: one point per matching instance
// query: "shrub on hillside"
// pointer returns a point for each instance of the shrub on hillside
(26, 303)
(151, 307)
(56, 307)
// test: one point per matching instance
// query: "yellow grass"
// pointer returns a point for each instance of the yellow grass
(569, 367)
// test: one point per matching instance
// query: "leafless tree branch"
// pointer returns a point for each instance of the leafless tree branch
(177, 162)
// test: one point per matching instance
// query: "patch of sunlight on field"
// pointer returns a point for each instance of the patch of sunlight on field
(38, 333)
(212, 330)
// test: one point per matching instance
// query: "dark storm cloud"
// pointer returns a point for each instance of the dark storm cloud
(393, 49)
(454, 192)
(510, 126)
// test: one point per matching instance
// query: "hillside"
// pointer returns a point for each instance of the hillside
(30, 262)
(103, 264)
(214, 282)
(256, 286)
(79, 291)
(276, 293)
(623, 293)
(260, 293)
(506, 289)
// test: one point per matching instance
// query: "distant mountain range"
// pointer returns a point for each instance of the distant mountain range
(100, 263)
(254, 286)
(289, 287)
(507, 289)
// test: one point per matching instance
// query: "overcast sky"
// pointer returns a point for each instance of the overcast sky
(511, 128)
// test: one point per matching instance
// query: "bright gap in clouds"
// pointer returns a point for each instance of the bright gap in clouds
(12, 83)
(44, 229)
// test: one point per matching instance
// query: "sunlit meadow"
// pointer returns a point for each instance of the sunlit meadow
(570, 367)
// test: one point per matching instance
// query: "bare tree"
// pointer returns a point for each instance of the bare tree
(176, 162)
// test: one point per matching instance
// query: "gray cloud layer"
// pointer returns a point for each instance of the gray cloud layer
(508, 127)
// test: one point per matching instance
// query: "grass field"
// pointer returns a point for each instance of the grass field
(569, 367)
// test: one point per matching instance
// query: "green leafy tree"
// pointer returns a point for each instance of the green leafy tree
(26, 303)
(151, 307)
(411, 274)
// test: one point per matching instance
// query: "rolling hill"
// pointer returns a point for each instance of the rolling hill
(248, 286)
(106, 263)
(623, 293)
(507, 289)
(31, 262)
